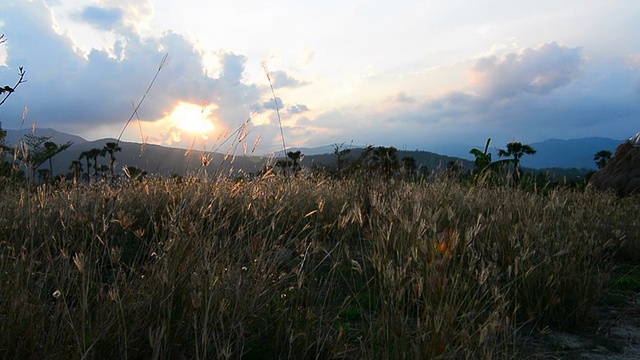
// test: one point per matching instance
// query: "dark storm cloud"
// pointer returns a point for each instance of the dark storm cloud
(102, 18)
(71, 92)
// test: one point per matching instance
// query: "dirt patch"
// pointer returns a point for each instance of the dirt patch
(614, 334)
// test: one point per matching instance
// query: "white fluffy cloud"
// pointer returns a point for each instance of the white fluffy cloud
(74, 93)
(86, 65)
(539, 71)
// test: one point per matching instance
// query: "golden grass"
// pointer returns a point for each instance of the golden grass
(299, 268)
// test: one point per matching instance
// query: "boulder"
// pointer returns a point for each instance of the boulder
(622, 172)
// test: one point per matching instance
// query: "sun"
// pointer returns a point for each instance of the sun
(193, 118)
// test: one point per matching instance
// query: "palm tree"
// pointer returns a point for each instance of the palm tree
(517, 150)
(111, 148)
(93, 154)
(52, 149)
(602, 157)
(385, 161)
(35, 150)
(76, 166)
(87, 156)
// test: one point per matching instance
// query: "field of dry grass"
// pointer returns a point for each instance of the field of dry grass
(299, 268)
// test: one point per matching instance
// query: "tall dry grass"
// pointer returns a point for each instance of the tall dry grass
(299, 268)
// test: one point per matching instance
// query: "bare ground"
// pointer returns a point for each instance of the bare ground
(614, 334)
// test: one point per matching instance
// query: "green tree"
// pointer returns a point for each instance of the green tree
(111, 148)
(483, 158)
(516, 150)
(602, 157)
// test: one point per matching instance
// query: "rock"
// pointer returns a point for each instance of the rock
(622, 172)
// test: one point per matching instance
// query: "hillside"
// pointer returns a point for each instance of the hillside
(165, 160)
(551, 154)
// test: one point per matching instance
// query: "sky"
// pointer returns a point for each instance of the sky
(422, 74)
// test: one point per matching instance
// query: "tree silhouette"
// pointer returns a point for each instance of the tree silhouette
(52, 149)
(7, 168)
(385, 161)
(87, 156)
(409, 166)
(340, 155)
(111, 148)
(35, 150)
(517, 150)
(8, 90)
(93, 154)
(296, 157)
(483, 158)
(4, 166)
(134, 173)
(31, 152)
(76, 166)
(602, 157)
(44, 175)
(283, 164)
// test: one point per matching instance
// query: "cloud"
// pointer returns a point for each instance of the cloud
(531, 94)
(102, 18)
(232, 67)
(403, 98)
(271, 105)
(298, 109)
(79, 94)
(281, 80)
(633, 61)
(535, 70)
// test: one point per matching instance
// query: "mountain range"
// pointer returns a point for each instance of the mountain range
(552, 153)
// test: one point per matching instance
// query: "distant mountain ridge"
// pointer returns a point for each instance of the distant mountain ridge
(571, 153)
(551, 153)
(56, 136)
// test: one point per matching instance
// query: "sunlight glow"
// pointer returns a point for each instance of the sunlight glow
(193, 118)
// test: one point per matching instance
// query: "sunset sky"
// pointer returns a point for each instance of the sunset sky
(410, 74)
